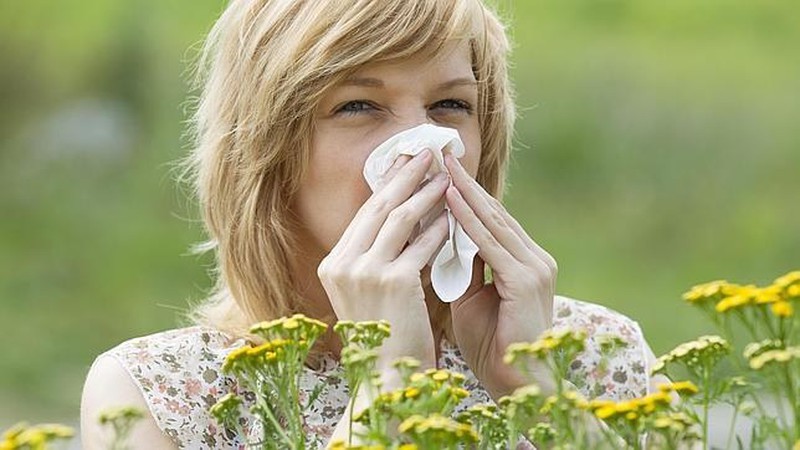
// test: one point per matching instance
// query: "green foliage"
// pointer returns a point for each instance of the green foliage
(656, 145)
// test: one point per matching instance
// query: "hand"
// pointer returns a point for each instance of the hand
(518, 305)
(370, 274)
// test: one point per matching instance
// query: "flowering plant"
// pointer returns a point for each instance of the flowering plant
(25, 437)
(767, 367)
(272, 371)
(422, 413)
(41, 437)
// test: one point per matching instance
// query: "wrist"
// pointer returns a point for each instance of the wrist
(390, 377)
(506, 379)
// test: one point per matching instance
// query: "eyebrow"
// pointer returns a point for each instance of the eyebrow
(378, 83)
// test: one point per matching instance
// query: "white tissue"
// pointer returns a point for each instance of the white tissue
(451, 270)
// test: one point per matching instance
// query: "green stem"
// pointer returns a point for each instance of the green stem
(706, 393)
(608, 434)
(729, 441)
(264, 407)
(747, 324)
(353, 394)
(768, 320)
(792, 396)
(512, 435)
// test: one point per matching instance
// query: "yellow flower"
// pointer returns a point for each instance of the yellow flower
(782, 309)
(793, 291)
(605, 412)
(547, 343)
(459, 393)
(22, 436)
(732, 302)
(297, 327)
(774, 356)
(291, 324)
(406, 362)
(685, 387)
(708, 349)
(788, 279)
(754, 349)
(235, 356)
(121, 413)
(737, 289)
(225, 406)
(524, 394)
(440, 375)
(681, 387)
(662, 422)
(15, 431)
(767, 295)
(411, 392)
(676, 420)
(704, 291)
(437, 425)
(259, 350)
(457, 377)
(651, 402)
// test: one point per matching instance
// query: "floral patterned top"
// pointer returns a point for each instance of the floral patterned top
(178, 374)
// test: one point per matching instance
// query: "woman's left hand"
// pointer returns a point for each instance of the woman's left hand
(517, 306)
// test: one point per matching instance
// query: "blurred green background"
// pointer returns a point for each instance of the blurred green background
(658, 147)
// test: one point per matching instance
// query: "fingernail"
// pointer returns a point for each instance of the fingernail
(423, 156)
(457, 162)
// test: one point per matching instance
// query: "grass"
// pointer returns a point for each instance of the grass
(656, 149)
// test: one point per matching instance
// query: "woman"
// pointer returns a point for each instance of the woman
(295, 96)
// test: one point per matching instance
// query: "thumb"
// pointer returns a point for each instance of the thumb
(476, 284)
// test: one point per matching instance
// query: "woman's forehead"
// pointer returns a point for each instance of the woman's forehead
(451, 61)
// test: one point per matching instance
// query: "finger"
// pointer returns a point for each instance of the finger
(489, 248)
(419, 252)
(361, 232)
(541, 253)
(476, 283)
(399, 162)
(492, 217)
(399, 224)
(509, 219)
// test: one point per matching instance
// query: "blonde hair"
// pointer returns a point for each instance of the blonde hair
(262, 71)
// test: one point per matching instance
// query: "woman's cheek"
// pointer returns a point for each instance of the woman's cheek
(472, 159)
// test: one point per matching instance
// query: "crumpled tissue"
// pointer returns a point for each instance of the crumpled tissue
(451, 269)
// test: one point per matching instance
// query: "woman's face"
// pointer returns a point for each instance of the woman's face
(354, 117)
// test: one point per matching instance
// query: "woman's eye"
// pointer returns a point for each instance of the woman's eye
(354, 107)
(454, 104)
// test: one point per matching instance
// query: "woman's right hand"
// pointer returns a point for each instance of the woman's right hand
(370, 274)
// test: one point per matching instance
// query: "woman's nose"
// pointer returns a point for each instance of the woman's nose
(411, 121)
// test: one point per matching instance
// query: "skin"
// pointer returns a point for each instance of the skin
(354, 240)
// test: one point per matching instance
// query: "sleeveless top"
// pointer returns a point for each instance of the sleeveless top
(179, 375)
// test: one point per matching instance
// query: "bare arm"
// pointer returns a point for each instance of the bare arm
(108, 385)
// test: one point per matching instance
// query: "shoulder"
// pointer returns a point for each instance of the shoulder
(621, 373)
(108, 385)
(176, 377)
(595, 319)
